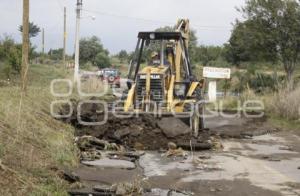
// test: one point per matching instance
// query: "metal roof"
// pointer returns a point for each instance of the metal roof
(160, 35)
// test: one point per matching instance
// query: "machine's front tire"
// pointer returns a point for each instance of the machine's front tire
(197, 119)
(195, 124)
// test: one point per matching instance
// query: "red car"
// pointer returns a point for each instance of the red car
(112, 76)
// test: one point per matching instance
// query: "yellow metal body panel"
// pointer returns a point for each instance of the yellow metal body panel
(192, 88)
(154, 70)
(130, 98)
(170, 93)
(148, 86)
(178, 62)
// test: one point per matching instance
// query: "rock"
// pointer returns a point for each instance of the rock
(90, 155)
(110, 163)
(204, 156)
(195, 146)
(128, 156)
(139, 146)
(136, 130)
(173, 127)
(274, 159)
(172, 146)
(69, 176)
(121, 133)
(85, 143)
(176, 152)
(103, 189)
(133, 154)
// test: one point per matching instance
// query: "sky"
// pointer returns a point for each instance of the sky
(117, 22)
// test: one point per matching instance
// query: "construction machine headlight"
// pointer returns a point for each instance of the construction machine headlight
(179, 90)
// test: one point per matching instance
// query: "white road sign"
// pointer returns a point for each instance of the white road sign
(215, 72)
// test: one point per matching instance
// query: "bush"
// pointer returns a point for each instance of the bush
(102, 60)
(7, 71)
(14, 57)
(11, 54)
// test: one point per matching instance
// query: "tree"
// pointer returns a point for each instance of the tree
(34, 30)
(102, 60)
(11, 53)
(92, 50)
(271, 31)
(55, 54)
(193, 45)
(123, 56)
(207, 54)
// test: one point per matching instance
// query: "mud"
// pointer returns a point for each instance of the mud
(145, 132)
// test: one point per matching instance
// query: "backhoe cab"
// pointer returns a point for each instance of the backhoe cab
(160, 79)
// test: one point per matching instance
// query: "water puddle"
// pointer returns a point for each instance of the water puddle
(235, 163)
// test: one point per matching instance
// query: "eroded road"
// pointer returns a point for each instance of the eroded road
(253, 158)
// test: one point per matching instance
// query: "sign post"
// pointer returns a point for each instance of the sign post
(212, 91)
(215, 73)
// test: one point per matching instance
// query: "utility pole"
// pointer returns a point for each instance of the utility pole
(43, 41)
(76, 69)
(25, 44)
(65, 35)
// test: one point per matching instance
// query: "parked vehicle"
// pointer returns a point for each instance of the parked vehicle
(111, 76)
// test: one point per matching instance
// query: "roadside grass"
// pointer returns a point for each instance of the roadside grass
(282, 107)
(284, 104)
(284, 124)
(33, 145)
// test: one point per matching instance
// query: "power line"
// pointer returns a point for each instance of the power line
(154, 21)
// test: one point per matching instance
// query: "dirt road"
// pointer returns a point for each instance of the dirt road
(255, 159)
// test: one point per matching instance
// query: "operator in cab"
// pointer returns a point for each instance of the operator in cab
(155, 59)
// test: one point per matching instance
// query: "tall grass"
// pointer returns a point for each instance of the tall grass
(31, 141)
(285, 104)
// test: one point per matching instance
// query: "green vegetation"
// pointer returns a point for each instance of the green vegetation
(33, 144)
(123, 56)
(269, 32)
(56, 54)
(34, 30)
(10, 54)
(92, 51)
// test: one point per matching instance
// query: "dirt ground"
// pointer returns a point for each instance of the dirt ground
(253, 158)
(141, 133)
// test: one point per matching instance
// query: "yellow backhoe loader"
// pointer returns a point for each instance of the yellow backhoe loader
(160, 79)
